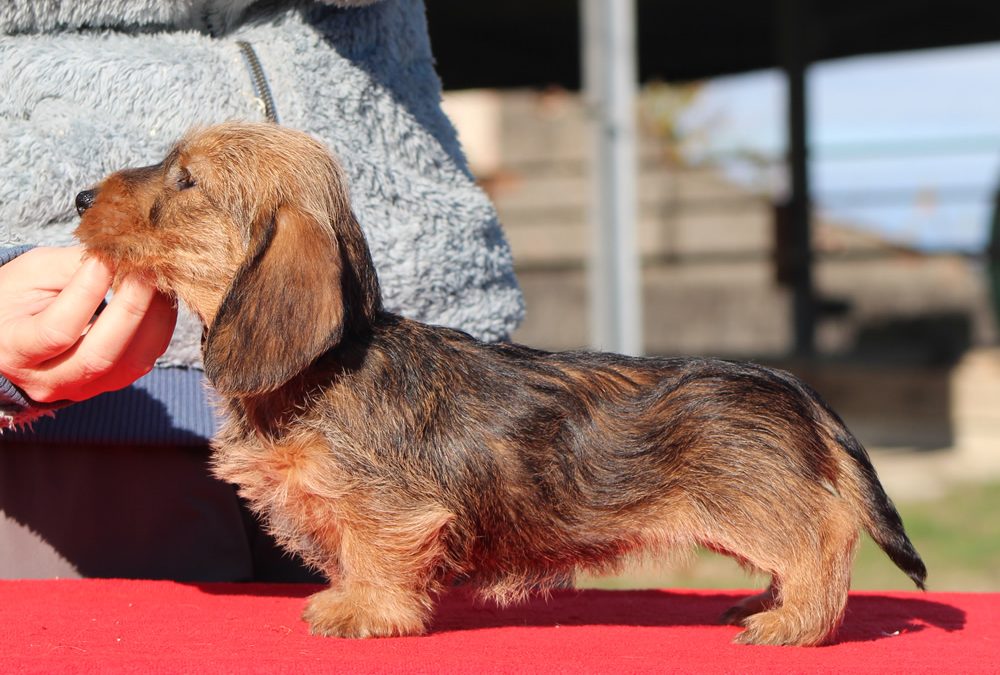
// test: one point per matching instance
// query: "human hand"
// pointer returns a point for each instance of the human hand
(50, 346)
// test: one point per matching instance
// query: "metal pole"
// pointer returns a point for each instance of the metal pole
(609, 77)
(793, 36)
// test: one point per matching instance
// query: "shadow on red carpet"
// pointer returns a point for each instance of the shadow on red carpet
(866, 616)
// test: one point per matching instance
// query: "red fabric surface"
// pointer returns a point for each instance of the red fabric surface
(159, 626)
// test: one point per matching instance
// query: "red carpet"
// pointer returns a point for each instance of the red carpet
(147, 626)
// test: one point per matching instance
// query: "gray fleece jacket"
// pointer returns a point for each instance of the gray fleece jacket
(91, 86)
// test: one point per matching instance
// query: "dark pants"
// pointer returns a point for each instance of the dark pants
(129, 512)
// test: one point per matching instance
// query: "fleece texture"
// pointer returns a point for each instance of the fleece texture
(92, 86)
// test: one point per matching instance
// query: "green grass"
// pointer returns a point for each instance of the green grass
(958, 537)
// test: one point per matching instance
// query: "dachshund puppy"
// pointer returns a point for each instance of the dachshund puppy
(400, 458)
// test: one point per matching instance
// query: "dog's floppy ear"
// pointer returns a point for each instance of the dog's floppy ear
(284, 308)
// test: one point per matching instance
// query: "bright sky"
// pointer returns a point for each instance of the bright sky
(904, 144)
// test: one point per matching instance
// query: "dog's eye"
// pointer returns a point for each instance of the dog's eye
(185, 180)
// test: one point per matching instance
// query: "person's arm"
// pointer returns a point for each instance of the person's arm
(52, 350)
(14, 406)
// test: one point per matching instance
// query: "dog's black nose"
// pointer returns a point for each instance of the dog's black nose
(85, 200)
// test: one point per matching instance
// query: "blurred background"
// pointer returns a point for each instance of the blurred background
(804, 183)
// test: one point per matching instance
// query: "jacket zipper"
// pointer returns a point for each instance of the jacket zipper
(261, 88)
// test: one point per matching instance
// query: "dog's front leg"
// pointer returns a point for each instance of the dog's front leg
(389, 573)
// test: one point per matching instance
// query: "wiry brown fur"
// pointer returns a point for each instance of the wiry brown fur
(400, 458)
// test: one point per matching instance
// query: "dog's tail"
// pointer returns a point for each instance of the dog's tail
(874, 507)
(878, 513)
(859, 485)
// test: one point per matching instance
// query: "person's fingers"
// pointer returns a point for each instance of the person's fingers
(149, 342)
(58, 327)
(157, 329)
(60, 264)
(101, 351)
(52, 345)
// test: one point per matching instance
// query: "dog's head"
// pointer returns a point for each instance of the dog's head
(251, 226)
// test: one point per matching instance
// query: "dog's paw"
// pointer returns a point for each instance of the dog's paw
(747, 607)
(335, 613)
(734, 616)
(781, 628)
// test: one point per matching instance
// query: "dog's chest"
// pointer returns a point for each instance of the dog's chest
(293, 483)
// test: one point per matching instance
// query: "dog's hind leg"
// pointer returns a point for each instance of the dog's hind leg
(388, 576)
(809, 587)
